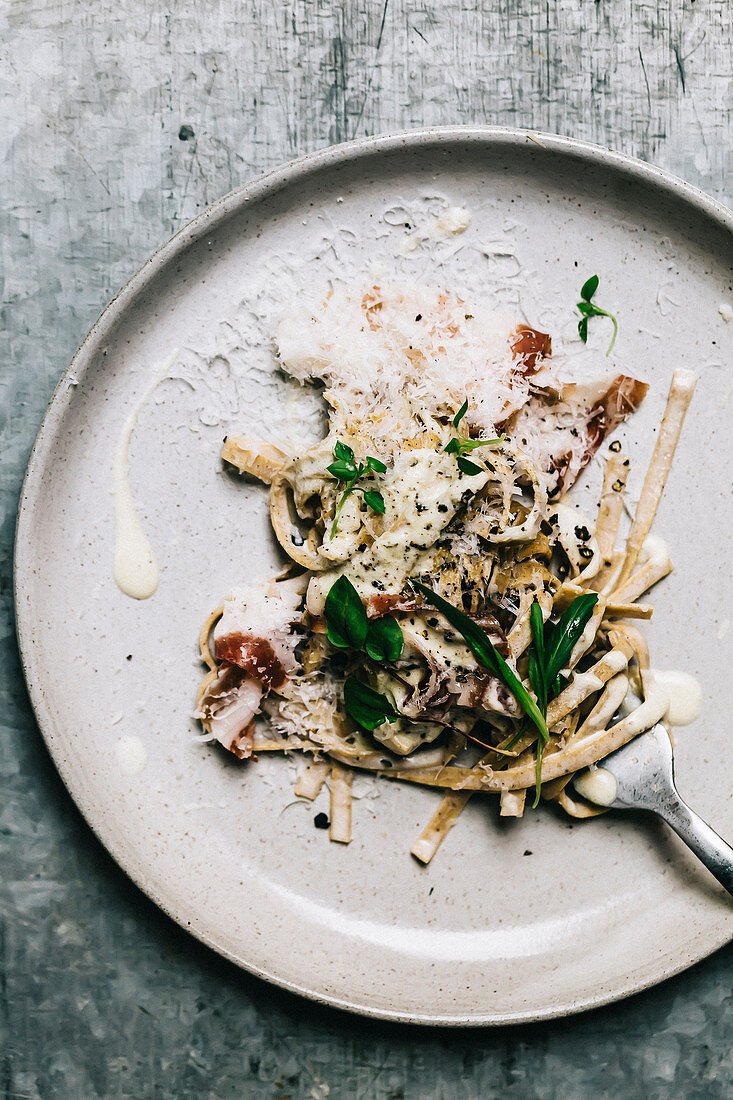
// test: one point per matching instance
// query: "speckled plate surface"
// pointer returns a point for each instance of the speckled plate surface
(511, 921)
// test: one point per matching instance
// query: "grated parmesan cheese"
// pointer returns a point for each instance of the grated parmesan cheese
(392, 356)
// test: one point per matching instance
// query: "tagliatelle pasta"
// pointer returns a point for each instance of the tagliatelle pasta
(452, 443)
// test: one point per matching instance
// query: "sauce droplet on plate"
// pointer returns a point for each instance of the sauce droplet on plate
(685, 696)
(134, 566)
(131, 755)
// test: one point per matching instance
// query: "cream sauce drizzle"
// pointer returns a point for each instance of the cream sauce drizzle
(131, 754)
(134, 566)
(685, 696)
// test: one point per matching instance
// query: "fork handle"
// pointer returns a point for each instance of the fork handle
(710, 848)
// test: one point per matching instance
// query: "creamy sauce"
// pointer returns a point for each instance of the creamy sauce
(597, 785)
(451, 653)
(134, 565)
(725, 309)
(685, 696)
(131, 755)
(422, 491)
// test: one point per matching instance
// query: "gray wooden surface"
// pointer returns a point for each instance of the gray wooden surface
(120, 121)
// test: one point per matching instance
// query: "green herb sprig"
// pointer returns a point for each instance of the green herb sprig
(589, 309)
(346, 618)
(348, 470)
(461, 445)
(549, 652)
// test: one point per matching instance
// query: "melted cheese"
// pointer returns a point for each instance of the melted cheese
(451, 652)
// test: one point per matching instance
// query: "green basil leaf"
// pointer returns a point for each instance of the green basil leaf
(466, 466)
(566, 633)
(453, 447)
(586, 308)
(583, 329)
(343, 451)
(536, 678)
(346, 619)
(384, 640)
(538, 633)
(366, 706)
(537, 623)
(484, 651)
(375, 500)
(375, 464)
(460, 414)
(538, 774)
(589, 288)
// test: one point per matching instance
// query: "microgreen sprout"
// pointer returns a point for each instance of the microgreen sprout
(589, 309)
(461, 445)
(349, 471)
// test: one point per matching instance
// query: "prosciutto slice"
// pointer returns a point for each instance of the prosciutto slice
(257, 633)
(228, 708)
(255, 641)
(564, 428)
(530, 346)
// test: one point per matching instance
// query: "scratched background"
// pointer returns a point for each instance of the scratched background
(121, 119)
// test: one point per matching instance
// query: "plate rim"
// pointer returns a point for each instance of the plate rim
(257, 189)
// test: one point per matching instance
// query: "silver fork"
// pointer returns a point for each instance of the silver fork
(640, 776)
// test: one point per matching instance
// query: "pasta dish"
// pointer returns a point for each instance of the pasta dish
(447, 617)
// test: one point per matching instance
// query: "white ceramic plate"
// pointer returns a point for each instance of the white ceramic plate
(511, 921)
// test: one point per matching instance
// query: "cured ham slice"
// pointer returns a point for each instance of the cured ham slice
(564, 428)
(530, 346)
(256, 633)
(255, 641)
(227, 708)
